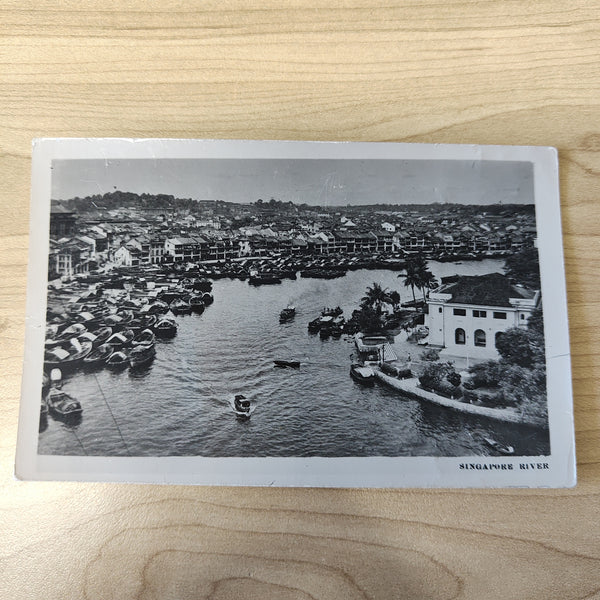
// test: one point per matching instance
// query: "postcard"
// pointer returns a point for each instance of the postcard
(296, 314)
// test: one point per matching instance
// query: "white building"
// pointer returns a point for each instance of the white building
(466, 314)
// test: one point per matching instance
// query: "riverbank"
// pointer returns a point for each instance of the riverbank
(411, 387)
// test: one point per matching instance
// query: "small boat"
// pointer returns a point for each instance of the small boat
(362, 375)
(241, 406)
(180, 307)
(121, 339)
(72, 331)
(146, 338)
(166, 328)
(314, 325)
(502, 448)
(117, 360)
(294, 364)
(66, 359)
(287, 314)
(98, 356)
(102, 335)
(207, 299)
(62, 404)
(141, 355)
(197, 304)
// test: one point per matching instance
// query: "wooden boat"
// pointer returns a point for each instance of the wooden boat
(141, 355)
(314, 325)
(118, 360)
(197, 304)
(294, 364)
(180, 307)
(121, 339)
(62, 404)
(98, 356)
(102, 336)
(502, 448)
(67, 358)
(207, 299)
(287, 314)
(72, 331)
(263, 279)
(146, 337)
(362, 375)
(166, 327)
(241, 406)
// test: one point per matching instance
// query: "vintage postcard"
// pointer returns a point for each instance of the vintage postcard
(296, 314)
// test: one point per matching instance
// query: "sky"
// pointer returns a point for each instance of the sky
(314, 182)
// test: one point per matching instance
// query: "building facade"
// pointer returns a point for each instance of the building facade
(467, 314)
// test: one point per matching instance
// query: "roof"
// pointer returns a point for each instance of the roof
(493, 289)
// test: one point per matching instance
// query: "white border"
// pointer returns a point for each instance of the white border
(318, 472)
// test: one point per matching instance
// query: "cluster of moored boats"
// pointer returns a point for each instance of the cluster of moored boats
(330, 323)
(95, 325)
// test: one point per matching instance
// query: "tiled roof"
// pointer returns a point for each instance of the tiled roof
(493, 289)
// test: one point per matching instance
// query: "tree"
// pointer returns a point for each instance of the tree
(428, 281)
(375, 297)
(394, 297)
(418, 275)
(514, 346)
(524, 267)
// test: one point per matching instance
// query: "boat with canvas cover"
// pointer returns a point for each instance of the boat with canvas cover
(362, 375)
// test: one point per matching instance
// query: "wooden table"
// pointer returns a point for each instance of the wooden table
(486, 72)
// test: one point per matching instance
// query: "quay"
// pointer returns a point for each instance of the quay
(410, 387)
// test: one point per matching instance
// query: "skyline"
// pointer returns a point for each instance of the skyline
(302, 181)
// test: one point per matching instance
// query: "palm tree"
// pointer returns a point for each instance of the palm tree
(375, 297)
(428, 281)
(412, 278)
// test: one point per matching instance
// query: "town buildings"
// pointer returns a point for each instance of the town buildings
(186, 231)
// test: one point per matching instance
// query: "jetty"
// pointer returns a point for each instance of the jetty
(411, 387)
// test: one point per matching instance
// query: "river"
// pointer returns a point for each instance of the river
(178, 406)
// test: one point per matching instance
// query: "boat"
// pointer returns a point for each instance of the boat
(166, 327)
(146, 337)
(287, 314)
(502, 448)
(121, 339)
(62, 404)
(66, 359)
(362, 375)
(141, 355)
(314, 325)
(118, 360)
(241, 406)
(294, 364)
(263, 279)
(207, 298)
(98, 356)
(180, 307)
(102, 336)
(197, 304)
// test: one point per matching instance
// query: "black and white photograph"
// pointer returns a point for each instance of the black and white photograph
(282, 305)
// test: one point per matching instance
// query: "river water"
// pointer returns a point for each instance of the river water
(179, 405)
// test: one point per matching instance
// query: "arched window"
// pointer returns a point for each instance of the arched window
(479, 338)
(498, 336)
(459, 336)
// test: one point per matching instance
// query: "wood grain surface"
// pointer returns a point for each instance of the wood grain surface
(485, 72)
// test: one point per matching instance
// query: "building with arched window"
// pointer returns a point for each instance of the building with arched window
(467, 313)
